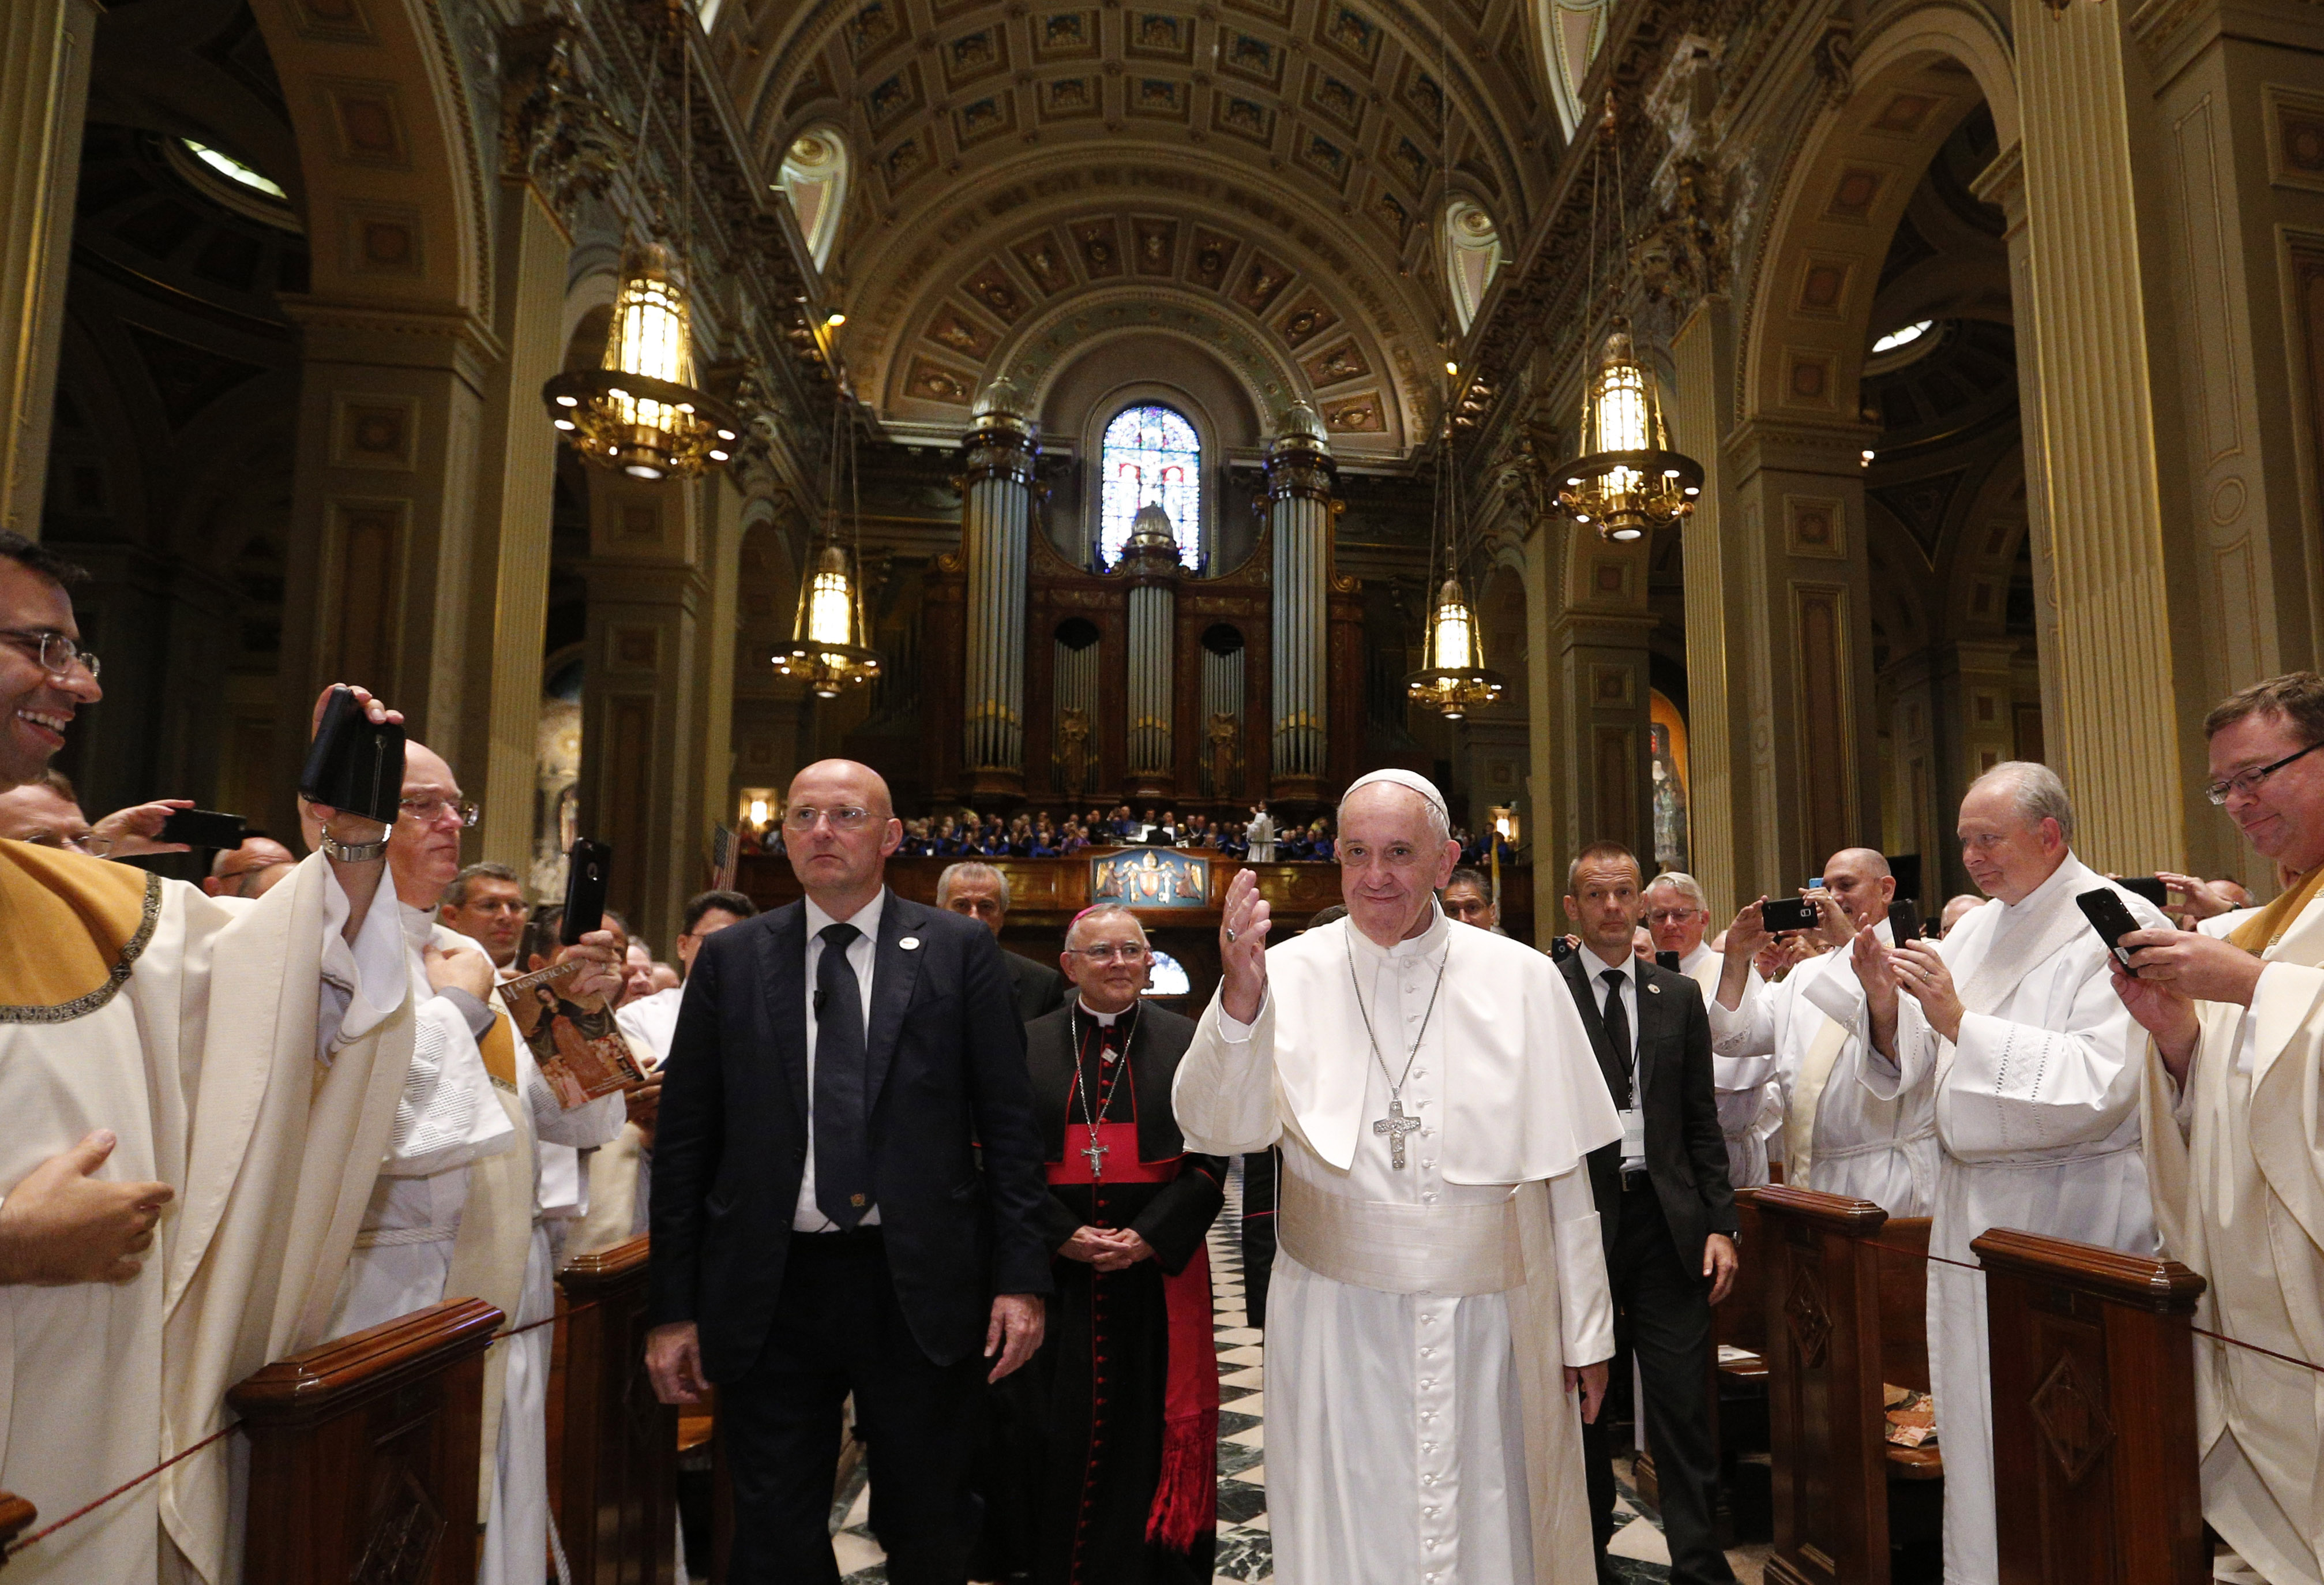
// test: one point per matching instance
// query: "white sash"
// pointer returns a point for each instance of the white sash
(1456, 1249)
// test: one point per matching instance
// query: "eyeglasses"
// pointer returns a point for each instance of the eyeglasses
(1673, 915)
(96, 847)
(58, 653)
(2248, 782)
(850, 817)
(427, 811)
(1114, 951)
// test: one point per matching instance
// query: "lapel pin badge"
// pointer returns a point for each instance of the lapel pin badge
(910, 943)
(1653, 988)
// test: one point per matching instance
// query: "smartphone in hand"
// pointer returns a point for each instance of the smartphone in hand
(201, 827)
(587, 869)
(354, 764)
(1904, 920)
(2103, 907)
(1781, 914)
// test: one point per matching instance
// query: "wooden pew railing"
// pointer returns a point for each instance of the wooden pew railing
(364, 1453)
(16, 1516)
(618, 1480)
(1827, 1452)
(2094, 1459)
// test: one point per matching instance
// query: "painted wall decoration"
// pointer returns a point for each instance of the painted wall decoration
(1153, 878)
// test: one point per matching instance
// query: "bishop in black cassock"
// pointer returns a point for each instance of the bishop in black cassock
(1125, 1487)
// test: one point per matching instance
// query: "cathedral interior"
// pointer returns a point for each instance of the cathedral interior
(1993, 331)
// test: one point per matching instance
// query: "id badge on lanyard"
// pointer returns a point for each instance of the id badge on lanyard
(1633, 1135)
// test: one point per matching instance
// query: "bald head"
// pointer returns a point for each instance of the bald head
(1860, 880)
(838, 830)
(423, 846)
(249, 870)
(841, 781)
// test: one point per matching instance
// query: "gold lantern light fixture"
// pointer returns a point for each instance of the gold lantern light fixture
(827, 650)
(1628, 481)
(1452, 679)
(639, 411)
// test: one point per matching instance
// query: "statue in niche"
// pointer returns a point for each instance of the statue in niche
(1221, 756)
(1072, 758)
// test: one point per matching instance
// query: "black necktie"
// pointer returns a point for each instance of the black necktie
(843, 1162)
(1617, 1035)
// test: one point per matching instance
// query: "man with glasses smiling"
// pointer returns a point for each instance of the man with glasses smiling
(2232, 1115)
(198, 1093)
(1125, 1390)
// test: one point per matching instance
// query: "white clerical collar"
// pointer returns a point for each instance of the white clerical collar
(1427, 942)
(419, 924)
(865, 919)
(1102, 1020)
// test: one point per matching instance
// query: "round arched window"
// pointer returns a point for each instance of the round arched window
(1150, 456)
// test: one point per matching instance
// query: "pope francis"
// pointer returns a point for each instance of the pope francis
(1439, 1320)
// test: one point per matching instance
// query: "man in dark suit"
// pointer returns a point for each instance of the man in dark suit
(1664, 1204)
(820, 1225)
(982, 892)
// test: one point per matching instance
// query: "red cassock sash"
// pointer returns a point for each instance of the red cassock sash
(1186, 1498)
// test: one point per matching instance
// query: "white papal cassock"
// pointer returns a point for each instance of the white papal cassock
(1799, 1035)
(1417, 1425)
(2037, 1112)
(202, 1037)
(2236, 1164)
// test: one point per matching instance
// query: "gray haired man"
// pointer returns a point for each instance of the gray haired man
(982, 892)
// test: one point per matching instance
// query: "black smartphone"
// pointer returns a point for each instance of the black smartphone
(2148, 886)
(2108, 916)
(354, 762)
(1784, 913)
(199, 828)
(586, 868)
(1668, 961)
(1904, 920)
(1560, 948)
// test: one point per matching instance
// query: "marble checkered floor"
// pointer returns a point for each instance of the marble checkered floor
(1246, 1550)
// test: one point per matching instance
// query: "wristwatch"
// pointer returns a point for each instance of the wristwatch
(354, 852)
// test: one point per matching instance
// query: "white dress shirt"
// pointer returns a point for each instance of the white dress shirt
(1625, 988)
(807, 1217)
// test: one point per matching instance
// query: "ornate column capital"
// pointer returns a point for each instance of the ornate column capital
(1300, 466)
(998, 445)
(555, 133)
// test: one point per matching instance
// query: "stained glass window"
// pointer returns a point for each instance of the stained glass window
(1152, 454)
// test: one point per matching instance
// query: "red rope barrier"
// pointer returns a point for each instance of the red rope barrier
(1922, 1255)
(87, 1509)
(505, 1335)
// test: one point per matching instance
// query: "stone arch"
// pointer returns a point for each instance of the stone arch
(391, 180)
(1850, 173)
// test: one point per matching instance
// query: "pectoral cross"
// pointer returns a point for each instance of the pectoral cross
(1097, 1155)
(1396, 1126)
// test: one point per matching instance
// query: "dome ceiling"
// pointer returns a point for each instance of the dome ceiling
(1261, 176)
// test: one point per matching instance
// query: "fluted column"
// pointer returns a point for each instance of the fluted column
(44, 59)
(1299, 476)
(995, 527)
(1701, 411)
(2083, 326)
(1150, 562)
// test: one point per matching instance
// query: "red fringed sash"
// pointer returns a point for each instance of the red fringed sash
(1186, 1501)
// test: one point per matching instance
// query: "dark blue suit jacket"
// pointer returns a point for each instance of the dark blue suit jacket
(946, 1056)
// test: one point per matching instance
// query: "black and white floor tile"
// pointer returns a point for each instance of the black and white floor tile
(1246, 1550)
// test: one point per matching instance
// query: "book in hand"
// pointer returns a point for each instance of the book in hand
(581, 1055)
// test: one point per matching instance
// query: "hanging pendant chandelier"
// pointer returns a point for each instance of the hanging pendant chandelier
(828, 651)
(1452, 679)
(639, 410)
(1630, 480)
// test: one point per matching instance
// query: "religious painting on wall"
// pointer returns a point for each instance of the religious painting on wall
(1666, 764)
(1150, 879)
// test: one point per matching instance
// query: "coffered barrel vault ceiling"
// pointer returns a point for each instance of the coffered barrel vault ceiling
(1262, 176)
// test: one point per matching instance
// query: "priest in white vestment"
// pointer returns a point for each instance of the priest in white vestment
(1800, 1035)
(448, 1118)
(2037, 1096)
(244, 1111)
(2234, 1117)
(1439, 1320)
(1750, 1101)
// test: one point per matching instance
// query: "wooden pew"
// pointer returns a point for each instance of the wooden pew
(1822, 1309)
(16, 1516)
(618, 1469)
(2094, 1461)
(1904, 1333)
(364, 1453)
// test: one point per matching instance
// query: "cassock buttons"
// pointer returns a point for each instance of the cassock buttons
(910, 943)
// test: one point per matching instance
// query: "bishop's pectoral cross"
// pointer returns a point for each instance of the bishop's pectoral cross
(1396, 1126)
(1096, 1153)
